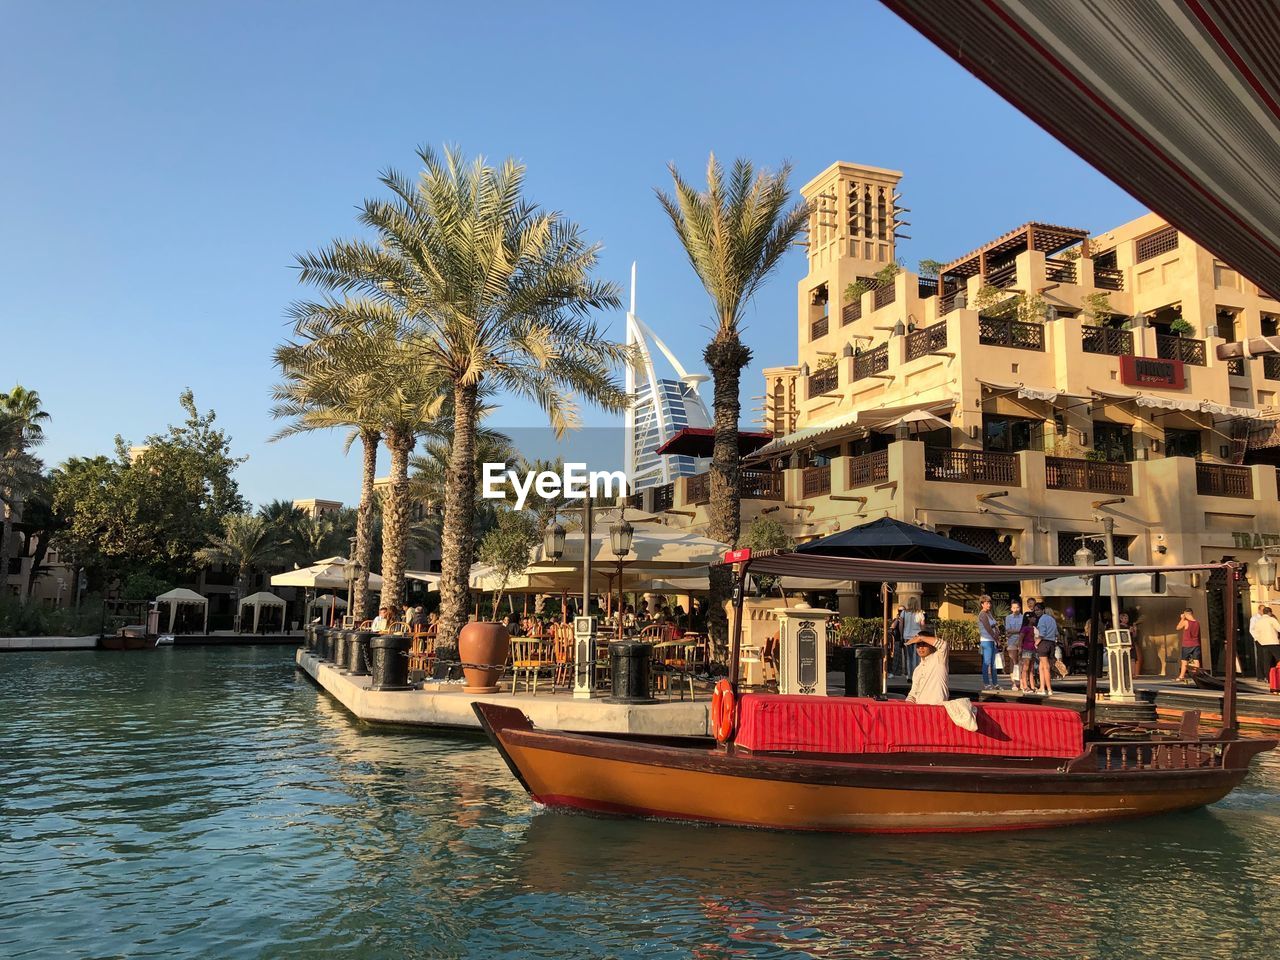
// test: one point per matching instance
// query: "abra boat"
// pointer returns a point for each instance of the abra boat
(865, 765)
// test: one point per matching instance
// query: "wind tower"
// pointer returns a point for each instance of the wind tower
(660, 407)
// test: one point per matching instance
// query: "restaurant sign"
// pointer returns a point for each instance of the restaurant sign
(1255, 541)
(1152, 372)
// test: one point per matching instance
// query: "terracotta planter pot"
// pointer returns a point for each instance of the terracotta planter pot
(483, 642)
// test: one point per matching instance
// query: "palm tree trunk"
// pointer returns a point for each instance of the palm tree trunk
(6, 536)
(457, 538)
(395, 518)
(364, 525)
(726, 357)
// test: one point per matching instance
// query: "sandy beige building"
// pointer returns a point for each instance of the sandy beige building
(1061, 370)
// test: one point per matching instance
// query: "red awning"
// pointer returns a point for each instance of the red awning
(699, 441)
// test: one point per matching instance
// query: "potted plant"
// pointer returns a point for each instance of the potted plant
(1181, 327)
(485, 643)
(854, 291)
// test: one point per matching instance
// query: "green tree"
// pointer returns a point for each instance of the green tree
(21, 429)
(734, 233)
(246, 542)
(766, 533)
(496, 293)
(507, 548)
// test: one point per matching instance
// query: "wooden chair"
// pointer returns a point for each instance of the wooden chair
(422, 650)
(529, 657)
(562, 654)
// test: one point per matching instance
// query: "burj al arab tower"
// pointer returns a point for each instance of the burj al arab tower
(661, 407)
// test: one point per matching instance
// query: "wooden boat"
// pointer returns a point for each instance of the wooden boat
(850, 765)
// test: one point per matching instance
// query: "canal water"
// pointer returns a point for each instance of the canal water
(212, 803)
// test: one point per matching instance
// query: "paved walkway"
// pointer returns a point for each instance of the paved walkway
(48, 643)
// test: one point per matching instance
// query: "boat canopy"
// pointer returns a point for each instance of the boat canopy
(789, 564)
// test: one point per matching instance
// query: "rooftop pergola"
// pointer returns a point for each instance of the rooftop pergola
(1048, 238)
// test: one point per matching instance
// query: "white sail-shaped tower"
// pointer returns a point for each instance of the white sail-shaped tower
(660, 408)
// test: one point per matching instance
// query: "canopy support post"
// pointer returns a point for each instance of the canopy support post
(1229, 726)
(1091, 689)
(735, 648)
(884, 639)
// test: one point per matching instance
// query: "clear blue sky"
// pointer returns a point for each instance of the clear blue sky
(164, 162)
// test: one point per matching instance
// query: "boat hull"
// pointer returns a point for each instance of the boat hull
(607, 776)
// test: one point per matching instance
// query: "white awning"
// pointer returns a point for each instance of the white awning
(1156, 402)
(1025, 392)
(867, 417)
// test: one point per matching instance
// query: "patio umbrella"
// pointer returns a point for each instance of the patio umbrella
(890, 539)
(917, 421)
(327, 574)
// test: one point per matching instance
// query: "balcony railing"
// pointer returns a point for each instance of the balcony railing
(947, 302)
(921, 343)
(871, 362)
(1060, 271)
(1271, 366)
(824, 381)
(1224, 480)
(1117, 343)
(1235, 366)
(869, 468)
(697, 489)
(1108, 278)
(1062, 473)
(1154, 244)
(1186, 349)
(1005, 275)
(851, 311)
(971, 466)
(927, 287)
(664, 497)
(886, 294)
(760, 484)
(815, 481)
(818, 329)
(1007, 332)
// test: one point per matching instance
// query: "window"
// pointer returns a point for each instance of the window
(1009, 434)
(1182, 443)
(823, 458)
(1113, 440)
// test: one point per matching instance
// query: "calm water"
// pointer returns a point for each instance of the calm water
(189, 803)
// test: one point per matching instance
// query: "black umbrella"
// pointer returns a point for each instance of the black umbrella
(889, 539)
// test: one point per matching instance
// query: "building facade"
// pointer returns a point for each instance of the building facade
(1015, 396)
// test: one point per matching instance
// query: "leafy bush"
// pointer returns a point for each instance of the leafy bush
(959, 634)
(851, 631)
(35, 620)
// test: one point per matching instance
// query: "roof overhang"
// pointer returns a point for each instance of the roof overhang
(700, 442)
(1178, 102)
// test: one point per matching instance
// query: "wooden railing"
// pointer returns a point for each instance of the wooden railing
(1005, 275)
(1063, 473)
(815, 481)
(1060, 271)
(1152, 245)
(1271, 366)
(760, 484)
(947, 302)
(971, 466)
(871, 362)
(1224, 480)
(824, 381)
(1166, 755)
(869, 468)
(886, 294)
(818, 329)
(1117, 343)
(697, 489)
(1235, 366)
(1108, 278)
(664, 497)
(1008, 332)
(921, 343)
(851, 311)
(1186, 349)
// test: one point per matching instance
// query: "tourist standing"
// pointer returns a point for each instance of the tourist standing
(897, 657)
(1027, 660)
(988, 638)
(930, 683)
(1265, 630)
(1135, 646)
(1013, 641)
(1189, 627)
(1047, 642)
(912, 624)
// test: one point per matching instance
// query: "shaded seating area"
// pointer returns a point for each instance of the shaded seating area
(190, 602)
(267, 612)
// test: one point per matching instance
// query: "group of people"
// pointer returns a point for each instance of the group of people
(1031, 646)
(413, 617)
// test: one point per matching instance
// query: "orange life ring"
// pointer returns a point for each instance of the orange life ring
(722, 711)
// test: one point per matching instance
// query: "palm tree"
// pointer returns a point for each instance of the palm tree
(323, 389)
(734, 233)
(497, 293)
(247, 541)
(19, 471)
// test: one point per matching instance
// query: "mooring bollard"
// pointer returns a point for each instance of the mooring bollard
(389, 661)
(629, 662)
(863, 671)
(340, 649)
(358, 655)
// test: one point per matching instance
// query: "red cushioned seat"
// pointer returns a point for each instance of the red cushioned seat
(800, 724)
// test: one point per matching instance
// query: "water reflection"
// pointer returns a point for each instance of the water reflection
(213, 804)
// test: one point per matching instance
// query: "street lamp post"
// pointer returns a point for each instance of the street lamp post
(621, 535)
(1119, 640)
